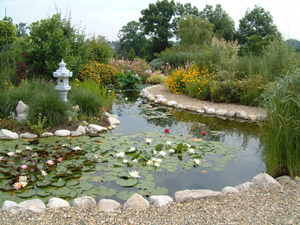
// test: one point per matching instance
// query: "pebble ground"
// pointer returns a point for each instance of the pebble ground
(255, 206)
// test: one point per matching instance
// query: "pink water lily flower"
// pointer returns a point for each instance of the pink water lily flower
(24, 167)
(60, 160)
(10, 154)
(18, 185)
(43, 172)
(50, 162)
(1, 158)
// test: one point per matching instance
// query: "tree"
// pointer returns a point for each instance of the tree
(21, 29)
(8, 32)
(223, 24)
(98, 50)
(51, 40)
(131, 36)
(194, 31)
(157, 23)
(256, 30)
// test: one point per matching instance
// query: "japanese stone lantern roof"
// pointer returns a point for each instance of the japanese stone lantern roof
(62, 71)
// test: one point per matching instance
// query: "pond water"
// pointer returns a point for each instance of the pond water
(196, 152)
(243, 135)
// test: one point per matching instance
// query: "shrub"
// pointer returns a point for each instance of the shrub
(127, 80)
(156, 79)
(98, 50)
(281, 129)
(139, 66)
(90, 98)
(190, 80)
(101, 74)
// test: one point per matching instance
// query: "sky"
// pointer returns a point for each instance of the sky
(106, 18)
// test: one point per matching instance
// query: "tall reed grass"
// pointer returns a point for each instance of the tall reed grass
(281, 130)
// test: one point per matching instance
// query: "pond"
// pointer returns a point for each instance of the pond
(155, 150)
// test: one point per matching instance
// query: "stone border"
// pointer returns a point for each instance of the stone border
(137, 202)
(160, 99)
(81, 130)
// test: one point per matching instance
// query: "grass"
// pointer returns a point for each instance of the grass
(281, 130)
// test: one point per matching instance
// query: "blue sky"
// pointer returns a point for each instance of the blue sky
(101, 17)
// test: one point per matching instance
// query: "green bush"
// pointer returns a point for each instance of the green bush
(127, 80)
(281, 129)
(156, 79)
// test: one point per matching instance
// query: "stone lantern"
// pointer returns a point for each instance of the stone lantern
(62, 75)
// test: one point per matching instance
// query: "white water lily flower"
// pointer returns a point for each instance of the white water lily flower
(197, 161)
(135, 160)
(191, 150)
(162, 153)
(156, 164)
(125, 161)
(28, 148)
(43, 172)
(35, 154)
(18, 151)
(148, 140)
(132, 149)
(64, 145)
(22, 179)
(150, 163)
(120, 155)
(23, 183)
(158, 160)
(1, 158)
(153, 159)
(188, 145)
(134, 174)
(168, 142)
(171, 150)
(76, 148)
(96, 157)
(154, 152)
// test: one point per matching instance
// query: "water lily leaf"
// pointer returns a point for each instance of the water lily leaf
(107, 192)
(85, 186)
(92, 193)
(72, 182)
(27, 194)
(73, 194)
(61, 182)
(108, 178)
(43, 193)
(61, 192)
(124, 195)
(158, 190)
(127, 183)
(44, 183)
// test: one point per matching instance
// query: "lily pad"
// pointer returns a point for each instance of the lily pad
(107, 192)
(127, 182)
(124, 195)
(27, 194)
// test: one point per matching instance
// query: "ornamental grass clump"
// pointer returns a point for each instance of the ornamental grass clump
(191, 80)
(281, 130)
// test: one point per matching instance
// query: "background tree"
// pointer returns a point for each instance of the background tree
(195, 31)
(21, 29)
(223, 24)
(98, 49)
(256, 30)
(157, 23)
(131, 39)
(8, 32)
(51, 40)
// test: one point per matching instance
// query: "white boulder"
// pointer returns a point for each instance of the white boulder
(160, 200)
(85, 201)
(28, 135)
(229, 189)
(8, 135)
(244, 186)
(8, 204)
(221, 112)
(108, 205)
(22, 111)
(113, 121)
(231, 114)
(96, 128)
(136, 202)
(57, 203)
(79, 131)
(188, 195)
(265, 180)
(241, 114)
(46, 134)
(62, 133)
(211, 111)
(34, 205)
(172, 103)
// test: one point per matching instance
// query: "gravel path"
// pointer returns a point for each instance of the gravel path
(255, 206)
(185, 100)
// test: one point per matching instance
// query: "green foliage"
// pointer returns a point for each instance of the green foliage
(256, 30)
(156, 79)
(90, 97)
(156, 20)
(131, 37)
(223, 24)
(39, 127)
(98, 50)
(8, 33)
(21, 29)
(194, 31)
(177, 56)
(51, 40)
(127, 80)
(281, 129)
